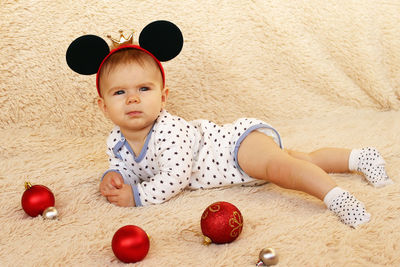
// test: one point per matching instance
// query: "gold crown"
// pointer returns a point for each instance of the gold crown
(122, 40)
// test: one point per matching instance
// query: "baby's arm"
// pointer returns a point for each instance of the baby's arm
(173, 153)
(116, 180)
(174, 156)
(175, 167)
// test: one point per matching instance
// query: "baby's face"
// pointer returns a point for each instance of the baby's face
(133, 95)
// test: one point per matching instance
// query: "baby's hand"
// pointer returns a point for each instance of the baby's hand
(114, 189)
(122, 197)
(112, 180)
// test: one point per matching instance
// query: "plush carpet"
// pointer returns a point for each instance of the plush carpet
(324, 73)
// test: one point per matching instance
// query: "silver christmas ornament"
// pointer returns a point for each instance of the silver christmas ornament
(268, 257)
(50, 213)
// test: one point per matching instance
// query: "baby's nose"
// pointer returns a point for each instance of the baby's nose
(133, 98)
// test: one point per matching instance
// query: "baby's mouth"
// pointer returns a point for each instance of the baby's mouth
(134, 113)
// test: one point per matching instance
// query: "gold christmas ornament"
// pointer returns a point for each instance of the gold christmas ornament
(50, 213)
(268, 257)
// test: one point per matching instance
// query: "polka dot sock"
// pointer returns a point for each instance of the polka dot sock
(349, 210)
(368, 161)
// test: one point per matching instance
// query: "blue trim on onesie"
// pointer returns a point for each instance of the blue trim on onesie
(138, 202)
(246, 133)
(123, 142)
(117, 147)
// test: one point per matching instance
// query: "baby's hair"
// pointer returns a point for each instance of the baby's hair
(126, 56)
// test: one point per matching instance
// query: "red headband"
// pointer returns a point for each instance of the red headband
(128, 47)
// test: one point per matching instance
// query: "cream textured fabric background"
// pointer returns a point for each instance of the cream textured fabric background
(324, 73)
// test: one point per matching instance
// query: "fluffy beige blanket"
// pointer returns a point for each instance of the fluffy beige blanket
(324, 73)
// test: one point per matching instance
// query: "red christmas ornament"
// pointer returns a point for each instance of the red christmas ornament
(36, 199)
(221, 222)
(130, 244)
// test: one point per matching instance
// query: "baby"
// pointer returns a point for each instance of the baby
(154, 155)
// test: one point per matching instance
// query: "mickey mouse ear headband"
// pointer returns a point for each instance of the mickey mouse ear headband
(160, 39)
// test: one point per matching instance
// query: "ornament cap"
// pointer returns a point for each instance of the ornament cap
(207, 241)
(27, 185)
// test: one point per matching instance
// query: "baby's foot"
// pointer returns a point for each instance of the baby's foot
(349, 210)
(370, 162)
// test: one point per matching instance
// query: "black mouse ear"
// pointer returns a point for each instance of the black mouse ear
(85, 54)
(162, 38)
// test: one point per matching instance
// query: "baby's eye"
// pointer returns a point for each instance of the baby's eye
(119, 92)
(144, 89)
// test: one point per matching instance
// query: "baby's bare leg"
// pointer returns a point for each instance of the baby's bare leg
(261, 158)
(331, 160)
(337, 160)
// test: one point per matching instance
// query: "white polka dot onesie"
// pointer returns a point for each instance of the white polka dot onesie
(178, 154)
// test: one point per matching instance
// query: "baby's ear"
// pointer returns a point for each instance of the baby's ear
(164, 96)
(102, 106)
(85, 54)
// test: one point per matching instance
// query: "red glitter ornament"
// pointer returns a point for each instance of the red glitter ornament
(221, 222)
(130, 244)
(36, 199)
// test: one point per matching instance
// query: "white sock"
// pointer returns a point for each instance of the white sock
(370, 162)
(349, 210)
